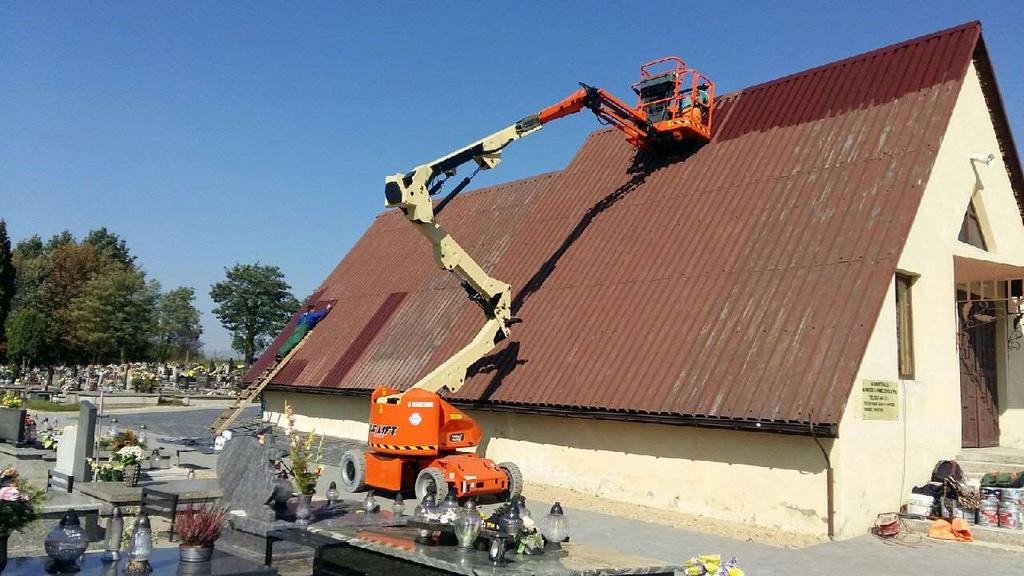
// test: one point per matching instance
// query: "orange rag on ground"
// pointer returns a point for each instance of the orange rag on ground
(958, 530)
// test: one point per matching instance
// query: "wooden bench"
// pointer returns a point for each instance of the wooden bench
(59, 481)
(164, 504)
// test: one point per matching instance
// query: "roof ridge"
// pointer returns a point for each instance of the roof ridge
(975, 24)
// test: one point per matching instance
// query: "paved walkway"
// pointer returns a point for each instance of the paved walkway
(863, 555)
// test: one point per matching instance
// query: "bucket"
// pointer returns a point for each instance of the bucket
(991, 494)
(1009, 516)
(920, 504)
(988, 514)
(1015, 495)
(968, 515)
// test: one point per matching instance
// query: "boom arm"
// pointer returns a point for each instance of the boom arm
(411, 193)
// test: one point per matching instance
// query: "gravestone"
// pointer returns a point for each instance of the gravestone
(247, 478)
(85, 441)
(66, 450)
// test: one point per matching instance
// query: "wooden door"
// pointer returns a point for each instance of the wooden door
(978, 391)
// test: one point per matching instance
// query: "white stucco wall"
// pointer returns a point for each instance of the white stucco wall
(759, 479)
(878, 462)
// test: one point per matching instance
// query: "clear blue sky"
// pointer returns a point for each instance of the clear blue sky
(212, 133)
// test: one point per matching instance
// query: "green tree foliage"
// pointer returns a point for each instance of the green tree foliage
(28, 338)
(70, 269)
(6, 277)
(109, 246)
(65, 238)
(254, 304)
(178, 326)
(116, 316)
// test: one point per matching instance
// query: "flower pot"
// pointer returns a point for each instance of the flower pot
(12, 424)
(195, 553)
(131, 475)
(302, 511)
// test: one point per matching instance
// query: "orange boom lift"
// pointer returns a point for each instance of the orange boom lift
(419, 440)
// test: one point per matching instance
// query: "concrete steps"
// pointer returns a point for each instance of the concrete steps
(1003, 537)
(976, 462)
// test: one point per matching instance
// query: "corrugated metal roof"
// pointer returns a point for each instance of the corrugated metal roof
(738, 284)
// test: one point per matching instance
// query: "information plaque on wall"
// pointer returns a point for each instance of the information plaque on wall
(881, 400)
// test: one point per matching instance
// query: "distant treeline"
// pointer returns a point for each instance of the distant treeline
(70, 301)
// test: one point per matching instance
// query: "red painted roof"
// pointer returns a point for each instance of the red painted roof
(740, 284)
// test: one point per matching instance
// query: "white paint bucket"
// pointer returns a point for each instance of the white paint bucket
(1009, 515)
(920, 504)
(988, 514)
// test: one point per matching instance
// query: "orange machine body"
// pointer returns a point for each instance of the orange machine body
(676, 104)
(417, 430)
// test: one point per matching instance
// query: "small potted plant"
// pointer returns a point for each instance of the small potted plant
(18, 502)
(130, 458)
(305, 468)
(12, 418)
(198, 529)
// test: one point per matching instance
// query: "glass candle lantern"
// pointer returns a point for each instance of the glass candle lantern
(112, 428)
(424, 509)
(332, 493)
(398, 506)
(524, 512)
(554, 526)
(115, 528)
(142, 434)
(510, 522)
(468, 525)
(370, 503)
(142, 539)
(449, 509)
(66, 543)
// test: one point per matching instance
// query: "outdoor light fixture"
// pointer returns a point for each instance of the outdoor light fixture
(985, 159)
(115, 528)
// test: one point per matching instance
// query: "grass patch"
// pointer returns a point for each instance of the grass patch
(47, 406)
(170, 401)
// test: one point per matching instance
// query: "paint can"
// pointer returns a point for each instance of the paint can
(1009, 515)
(969, 516)
(991, 494)
(920, 504)
(1015, 495)
(988, 514)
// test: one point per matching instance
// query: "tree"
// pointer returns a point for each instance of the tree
(109, 245)
(178, 325)
(69, 270)
(254, 304)
(116, 314)
(6, 277)
(27, 338)
(65, 238)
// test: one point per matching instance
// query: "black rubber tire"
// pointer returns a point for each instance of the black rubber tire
(515, 480)
(431, 480)
(353, 471)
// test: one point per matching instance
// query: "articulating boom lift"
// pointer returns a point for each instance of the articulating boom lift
(415, 435)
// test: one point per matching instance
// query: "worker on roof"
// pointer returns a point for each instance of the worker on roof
(306, 322)
(702, 98)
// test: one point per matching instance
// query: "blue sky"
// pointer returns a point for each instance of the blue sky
(211, 133)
